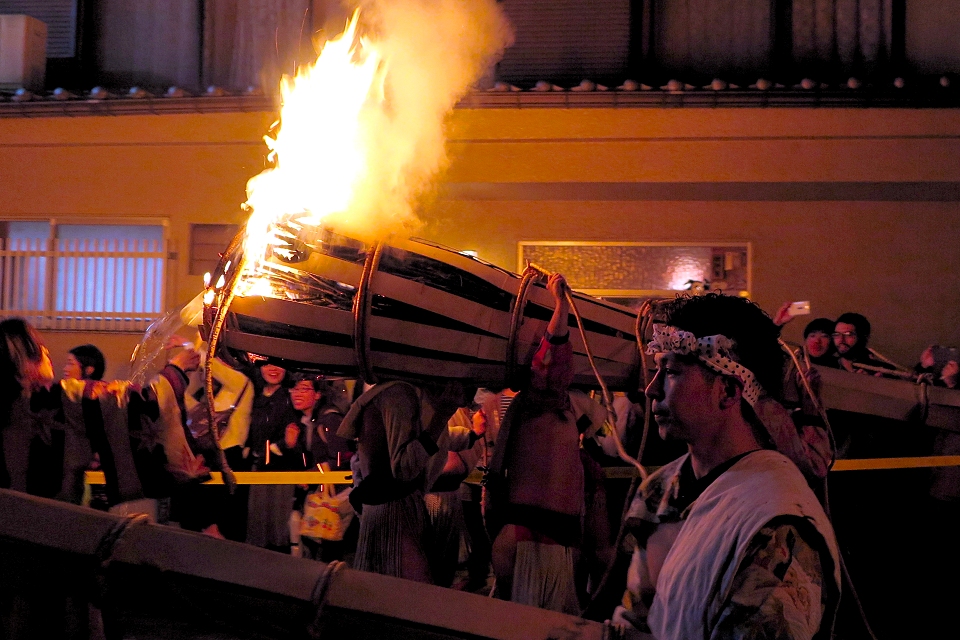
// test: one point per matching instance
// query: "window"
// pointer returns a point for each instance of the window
(207, 242)
(97, 277)
(625, 271)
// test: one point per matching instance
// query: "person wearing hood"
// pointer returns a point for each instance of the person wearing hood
(851, 334)
(403, 450)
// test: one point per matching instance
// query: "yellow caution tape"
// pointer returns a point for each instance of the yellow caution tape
(872, 464)
(261, 477)
(618, 473)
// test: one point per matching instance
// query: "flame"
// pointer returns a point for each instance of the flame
(360, 136)
(319, 151)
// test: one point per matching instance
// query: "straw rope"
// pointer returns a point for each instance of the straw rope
(361, 312)
(213, 344)
(606, 398)
(516, 319)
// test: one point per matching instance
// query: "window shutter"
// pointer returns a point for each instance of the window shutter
(566, 40)
(207, 242)
(60, 16)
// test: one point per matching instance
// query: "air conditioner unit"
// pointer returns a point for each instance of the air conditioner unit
(23, 52)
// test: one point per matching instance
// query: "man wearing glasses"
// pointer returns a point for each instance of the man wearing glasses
(850, 337)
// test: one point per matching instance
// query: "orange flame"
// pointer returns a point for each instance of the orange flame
(341, 152)
(319, 151)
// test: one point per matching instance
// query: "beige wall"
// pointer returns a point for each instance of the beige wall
(853, 209)
(895, 262)
(116, 348)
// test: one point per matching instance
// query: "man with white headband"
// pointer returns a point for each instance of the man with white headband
(731, 541)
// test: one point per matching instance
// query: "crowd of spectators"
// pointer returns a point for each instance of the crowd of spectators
(844, 344)
(541, 531)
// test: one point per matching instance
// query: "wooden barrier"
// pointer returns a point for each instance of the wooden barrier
(136, 579)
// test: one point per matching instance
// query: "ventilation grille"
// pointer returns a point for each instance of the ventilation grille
(566, 40)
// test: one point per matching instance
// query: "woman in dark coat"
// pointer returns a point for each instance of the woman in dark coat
(270, 506)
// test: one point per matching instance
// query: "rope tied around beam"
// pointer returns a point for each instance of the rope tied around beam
(229, 478)
(361, 312)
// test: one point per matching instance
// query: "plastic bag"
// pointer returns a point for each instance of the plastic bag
(326, 517)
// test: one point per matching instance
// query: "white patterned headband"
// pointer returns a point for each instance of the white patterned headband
(714, 351)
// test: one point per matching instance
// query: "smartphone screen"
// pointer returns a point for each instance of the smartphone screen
(799, 308)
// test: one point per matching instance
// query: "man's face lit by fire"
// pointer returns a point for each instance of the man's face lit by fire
(685, 398)
(844, 337)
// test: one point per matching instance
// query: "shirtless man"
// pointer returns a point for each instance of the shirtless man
(534, 552)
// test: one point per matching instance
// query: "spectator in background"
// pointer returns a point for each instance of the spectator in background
(45, 460)
(212, 508)
(818, 343)
(321, 406)
(269, 449)
(445, 499)
(85, 362)
(818, 347)
(24, 366)
(939, 363)
(851, 334)
(95, 417)
(491, 408)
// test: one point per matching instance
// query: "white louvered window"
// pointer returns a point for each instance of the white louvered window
(96, 277)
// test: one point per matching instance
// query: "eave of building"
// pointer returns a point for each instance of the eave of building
(942, 98)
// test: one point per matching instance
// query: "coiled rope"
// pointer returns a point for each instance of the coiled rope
(516, 319)
(607, 399)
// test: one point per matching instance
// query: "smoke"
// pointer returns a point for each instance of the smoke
(433, 52)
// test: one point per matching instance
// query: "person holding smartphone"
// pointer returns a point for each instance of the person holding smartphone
(943, 365)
